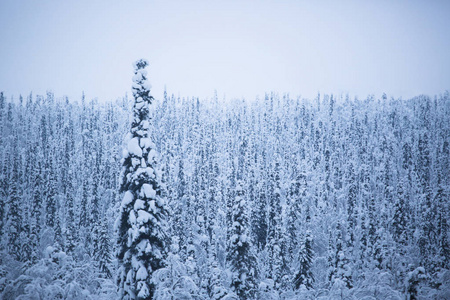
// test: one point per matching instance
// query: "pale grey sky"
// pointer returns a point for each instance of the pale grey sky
(240, 48)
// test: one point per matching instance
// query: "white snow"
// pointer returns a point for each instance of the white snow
(148, 249)
(140, 132)
(244, 238)
(133, 147)
(143, 164)
(142, 273)
(137, 77)
(140, 71)
(152, 205)
(48, 251)
(142, 245)
(130, 276)
(152, 156)
(145, 142)
(157, 253)
(139, 204)
(139, 105)
(135, 161)
(146, 85)
(124, 153)
(143, 216)
(161, 201)
(140, 171)
(150, 172)
(130, 237)
(234, 238)
(132, 217)
(135, 263)
(127, 198)
(148, 191)
(144, 292)
(145, 125)
(128, 137)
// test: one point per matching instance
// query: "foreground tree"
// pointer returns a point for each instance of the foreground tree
(142, 221)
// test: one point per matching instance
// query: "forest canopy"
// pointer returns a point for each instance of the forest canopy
(277, 198)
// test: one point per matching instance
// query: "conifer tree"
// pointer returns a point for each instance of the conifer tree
(216, 290)
(142, 222)
(2, 108)
(4, 189)
(240, 255)
(178, 207)
(14, 222)
(259, 218)
(275, 237)
(51, 197)
(71, 234)
(351, 203)
(400, 219)
(59, 241)
(341, 268)
(94, 217)
(36, 213)
(304, 275)
(103, 254)
(442, 224)
(83, 216)
(373, 235)
(363, 242)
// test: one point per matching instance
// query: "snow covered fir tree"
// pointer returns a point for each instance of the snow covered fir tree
(272, 198)
(142, 228)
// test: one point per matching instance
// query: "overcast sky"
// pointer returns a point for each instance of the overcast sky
(239, 48)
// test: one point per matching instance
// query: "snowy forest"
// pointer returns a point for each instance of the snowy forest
(269, 198)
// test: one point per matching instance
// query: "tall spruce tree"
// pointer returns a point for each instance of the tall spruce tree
(36, 213)
(142, 221)
(4, 188)
(103, 253)
(71, 233)
(400, 218)
(304, 275)
(240, 255)
(14, 223)
(341, 261)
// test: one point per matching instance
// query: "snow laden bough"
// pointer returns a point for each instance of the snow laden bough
(142, 220)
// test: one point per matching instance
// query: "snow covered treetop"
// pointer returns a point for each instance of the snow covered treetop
(141, 87)
(140, 64)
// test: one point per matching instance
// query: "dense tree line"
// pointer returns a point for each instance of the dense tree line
(276, 198)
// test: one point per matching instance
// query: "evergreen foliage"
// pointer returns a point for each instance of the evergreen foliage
(142, 221)
(240, 256)
(378, 167)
